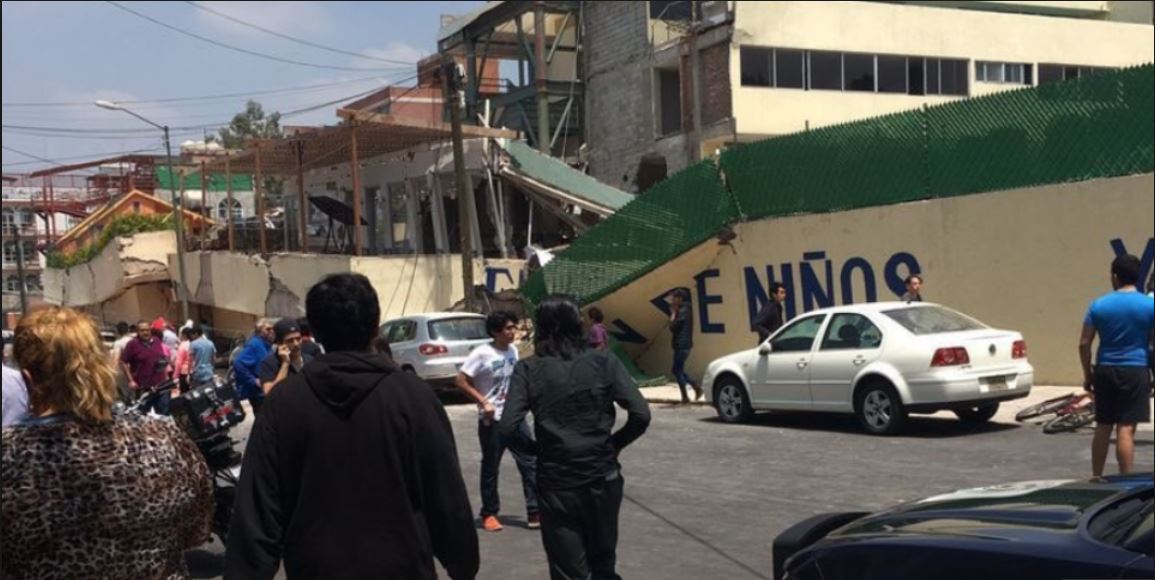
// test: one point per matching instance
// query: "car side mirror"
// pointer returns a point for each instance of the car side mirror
(765, 349)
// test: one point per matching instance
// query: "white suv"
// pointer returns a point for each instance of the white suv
(434, 346)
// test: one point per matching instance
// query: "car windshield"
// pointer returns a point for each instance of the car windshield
(1125, 521)
(458, 329)
(925, 320)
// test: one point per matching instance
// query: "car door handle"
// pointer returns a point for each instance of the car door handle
(859, 362)
(802, 364)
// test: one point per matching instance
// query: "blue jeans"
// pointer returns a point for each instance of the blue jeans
(679, 370)
(492, 450)
(159, 404)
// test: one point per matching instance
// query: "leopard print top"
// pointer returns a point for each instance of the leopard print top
(123, 500)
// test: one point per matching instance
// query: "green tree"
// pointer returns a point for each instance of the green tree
(254, 123)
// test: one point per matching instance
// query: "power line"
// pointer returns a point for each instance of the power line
(93, 156)
(237, 48)
(26, 154)
(91, 134)
(122, 132)
(202, 97)
(296, 40)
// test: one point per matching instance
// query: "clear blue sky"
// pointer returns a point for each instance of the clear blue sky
(84, 51)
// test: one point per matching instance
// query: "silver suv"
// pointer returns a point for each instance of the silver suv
(434, 346)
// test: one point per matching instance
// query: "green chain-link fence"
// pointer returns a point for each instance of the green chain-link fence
(1095, 127)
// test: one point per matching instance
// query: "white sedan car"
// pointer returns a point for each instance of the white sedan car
(880, 362)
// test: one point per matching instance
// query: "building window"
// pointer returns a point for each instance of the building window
(892, 74)
(670, 102)
(223, 210)
(12, 284)
(789, 69)
(136, 207)
(858, 72)
(947, 77)
(32, 283)
(825, 70)
(1004, 72)
(757, 70)
(678, 10)
(1053, 73)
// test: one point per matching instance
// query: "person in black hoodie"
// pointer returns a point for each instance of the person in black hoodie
(351, 471)
(571, 390)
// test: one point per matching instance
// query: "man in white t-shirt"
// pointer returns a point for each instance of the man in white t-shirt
(484, 378)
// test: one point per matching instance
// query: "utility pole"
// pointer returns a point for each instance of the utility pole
(451, 82)
(694, 141)
(541, 81)
(20, 267)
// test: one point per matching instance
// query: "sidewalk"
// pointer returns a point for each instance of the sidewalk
(669, 395)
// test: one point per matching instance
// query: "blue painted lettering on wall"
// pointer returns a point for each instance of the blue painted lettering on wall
(493, 274)
(626, 334)
(705, 299)
(1145, 261)
(757, 294)
(818, 274)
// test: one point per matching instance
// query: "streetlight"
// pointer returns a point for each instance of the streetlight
(177, 209)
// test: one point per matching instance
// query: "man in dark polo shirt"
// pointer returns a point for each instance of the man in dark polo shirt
(146, 361)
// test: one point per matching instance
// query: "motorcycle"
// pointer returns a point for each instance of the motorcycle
(206, 414)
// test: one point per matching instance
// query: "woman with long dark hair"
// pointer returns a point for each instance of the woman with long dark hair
(571, 391)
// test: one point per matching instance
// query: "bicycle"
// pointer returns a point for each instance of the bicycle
(1070, 413)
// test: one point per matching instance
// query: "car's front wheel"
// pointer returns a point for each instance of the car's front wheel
(880, 409)
(731, 401)
(978, 415)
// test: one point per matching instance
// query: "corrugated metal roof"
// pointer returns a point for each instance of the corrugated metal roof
(556, 174)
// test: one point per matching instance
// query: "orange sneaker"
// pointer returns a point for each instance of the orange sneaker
(533, 522)
(491, 524)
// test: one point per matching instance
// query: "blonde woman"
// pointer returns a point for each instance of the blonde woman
(86, 495)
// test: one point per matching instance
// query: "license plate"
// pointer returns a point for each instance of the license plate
(997, 384)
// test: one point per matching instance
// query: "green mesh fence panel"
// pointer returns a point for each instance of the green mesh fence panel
(843, 167)
(1099, 126)
(640, 377)
(669, 219)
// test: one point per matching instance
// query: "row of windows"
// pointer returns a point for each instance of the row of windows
(31, 283)
(787, 68)
(838, 71)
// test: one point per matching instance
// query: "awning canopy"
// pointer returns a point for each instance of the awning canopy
(376, 135)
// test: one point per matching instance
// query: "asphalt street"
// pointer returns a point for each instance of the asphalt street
(705, 500)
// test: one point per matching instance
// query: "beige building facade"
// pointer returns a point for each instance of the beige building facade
(665, 92)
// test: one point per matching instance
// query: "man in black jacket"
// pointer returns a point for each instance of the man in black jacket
(571, 391)
(771, 317)
(351, 470)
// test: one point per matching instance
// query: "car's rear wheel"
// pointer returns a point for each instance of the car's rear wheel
(978, 415)
(731, 401)
(880, 409)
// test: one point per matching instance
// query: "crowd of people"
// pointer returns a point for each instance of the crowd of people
(351, 469)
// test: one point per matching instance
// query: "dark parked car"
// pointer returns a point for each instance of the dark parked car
(1054, 530)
